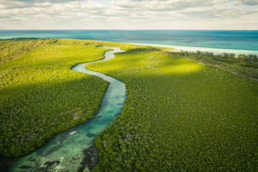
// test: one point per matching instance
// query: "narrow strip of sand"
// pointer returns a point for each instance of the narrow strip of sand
(194, 49)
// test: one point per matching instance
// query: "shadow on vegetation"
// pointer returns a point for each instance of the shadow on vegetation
(37, 111)
(179, 115)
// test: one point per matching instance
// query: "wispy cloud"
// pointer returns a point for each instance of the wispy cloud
(128, 14)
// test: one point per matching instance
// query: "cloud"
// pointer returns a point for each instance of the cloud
(246, 2)
(165, 5)
(31, 3)
(218, 12)
(50, 8)
(187, 8)
(122, 14)
(12, 4)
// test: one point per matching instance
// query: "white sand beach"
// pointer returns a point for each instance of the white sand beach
(194, 49)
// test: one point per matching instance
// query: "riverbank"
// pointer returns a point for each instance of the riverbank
(39, 89)
(77, 150)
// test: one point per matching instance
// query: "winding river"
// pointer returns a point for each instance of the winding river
(74, 149)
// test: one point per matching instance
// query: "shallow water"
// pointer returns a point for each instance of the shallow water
(217, 39)
(77, 152)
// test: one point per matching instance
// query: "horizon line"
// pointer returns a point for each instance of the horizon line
(128, 30)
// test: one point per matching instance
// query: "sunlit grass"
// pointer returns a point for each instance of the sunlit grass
(182, 66)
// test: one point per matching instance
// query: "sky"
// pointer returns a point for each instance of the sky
(129, 14)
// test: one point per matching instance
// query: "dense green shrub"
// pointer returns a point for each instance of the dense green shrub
(179, 116)
(41, 96)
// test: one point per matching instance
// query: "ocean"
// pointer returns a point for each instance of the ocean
(237, 41)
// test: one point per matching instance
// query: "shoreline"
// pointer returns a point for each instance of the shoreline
(177, 48)
(216, 51)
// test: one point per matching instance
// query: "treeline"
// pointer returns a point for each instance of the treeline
(221, 55)
(245, 65)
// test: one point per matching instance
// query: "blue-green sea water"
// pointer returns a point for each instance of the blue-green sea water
(236, 40)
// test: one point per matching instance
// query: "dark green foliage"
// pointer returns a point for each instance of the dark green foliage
(41, 96)
(179, 116)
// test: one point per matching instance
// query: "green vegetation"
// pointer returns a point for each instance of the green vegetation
(41, 96)
(179, 116)
(11, 49)
(245, 65)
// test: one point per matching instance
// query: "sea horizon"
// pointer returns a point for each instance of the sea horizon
(216, 41)
(132, 29)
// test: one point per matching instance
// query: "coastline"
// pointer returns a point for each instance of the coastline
(176, 48)
(194, 49)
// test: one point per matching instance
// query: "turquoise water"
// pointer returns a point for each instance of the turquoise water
(236, 40)
(77, 152)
